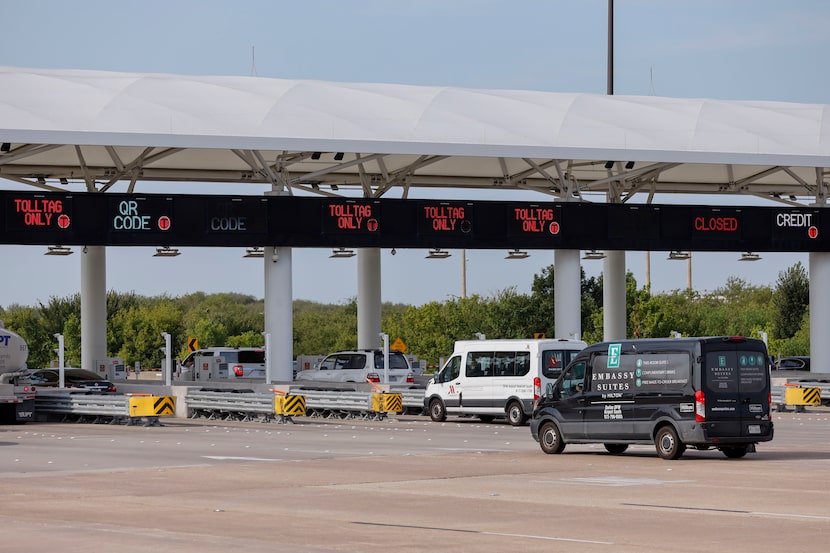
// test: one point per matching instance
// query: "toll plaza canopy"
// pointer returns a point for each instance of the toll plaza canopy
(88, 130)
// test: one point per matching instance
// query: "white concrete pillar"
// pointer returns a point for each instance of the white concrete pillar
(567, 294)
(93, 307)
(819, 312)
(279, 314)
(368, 298)
(613, 295)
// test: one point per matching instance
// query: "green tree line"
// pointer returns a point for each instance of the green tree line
(135, 323)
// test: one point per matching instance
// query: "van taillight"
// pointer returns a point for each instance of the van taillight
(373, 377)
(537, 388)
(410, 378)
(700, 406)
(238, 371)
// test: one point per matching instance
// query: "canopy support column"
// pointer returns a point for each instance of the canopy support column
(368, 298)
(567, 294)
(819, 312)
(93, 307)
(279, 314)
(613, 295)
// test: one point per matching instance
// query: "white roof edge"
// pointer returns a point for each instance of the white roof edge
(132, 109)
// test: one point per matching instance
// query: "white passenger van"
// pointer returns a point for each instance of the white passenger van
(490, 378)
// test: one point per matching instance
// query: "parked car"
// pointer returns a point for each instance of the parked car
(72, 378)
(359, 366)
(795, 363)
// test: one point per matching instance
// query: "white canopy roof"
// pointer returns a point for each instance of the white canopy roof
(104, 127)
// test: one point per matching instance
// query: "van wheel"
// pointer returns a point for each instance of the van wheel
(437, 412)
(735, 452)
(550, 439)
(615, 449)
(515, 414)
(668, 445)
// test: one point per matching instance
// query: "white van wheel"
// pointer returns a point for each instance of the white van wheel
(515, 414)
(437, 412)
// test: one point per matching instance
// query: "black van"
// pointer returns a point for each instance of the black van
(672, 392)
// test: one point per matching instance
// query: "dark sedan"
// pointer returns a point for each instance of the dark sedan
(796, 363)
(73, 378)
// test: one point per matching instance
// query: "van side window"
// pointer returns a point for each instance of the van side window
(479, 364)
(522, 363)
(573, 381)
(504, 363)
(451, 370)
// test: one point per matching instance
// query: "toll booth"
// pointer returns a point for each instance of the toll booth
(208, 367)
(111, 368)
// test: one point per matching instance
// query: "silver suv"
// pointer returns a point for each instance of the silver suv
(359, 366)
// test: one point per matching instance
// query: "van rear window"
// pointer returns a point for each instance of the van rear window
(554, 360)
(736, 371)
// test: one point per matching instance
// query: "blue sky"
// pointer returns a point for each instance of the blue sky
(731, 49)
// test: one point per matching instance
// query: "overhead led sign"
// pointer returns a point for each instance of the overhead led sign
(351, 216)
(41, 212)
(201, 220)
(141, 214)
(532, 219)
(435, 218)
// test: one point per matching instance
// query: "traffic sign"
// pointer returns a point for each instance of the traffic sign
(399, 345)
(192, 344)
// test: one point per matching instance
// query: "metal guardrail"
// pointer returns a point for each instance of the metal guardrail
(90, 407)
(229, 405)
(319, 403)
(413, 400)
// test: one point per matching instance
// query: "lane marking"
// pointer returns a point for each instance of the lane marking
(619, 481)
(735, 511)
(485, 533)
(222, 458)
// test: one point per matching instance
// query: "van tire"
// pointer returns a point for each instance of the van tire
(735, 452)
(615, 449)
(668, 445)
(437, 411)
(550, 440)
(515, 414)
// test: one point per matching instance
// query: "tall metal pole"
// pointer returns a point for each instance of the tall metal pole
(463, 274)
(610, 47)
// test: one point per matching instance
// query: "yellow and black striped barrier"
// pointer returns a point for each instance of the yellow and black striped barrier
(151, 407)
(387, 403)
(802, 396)
(288, 405)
